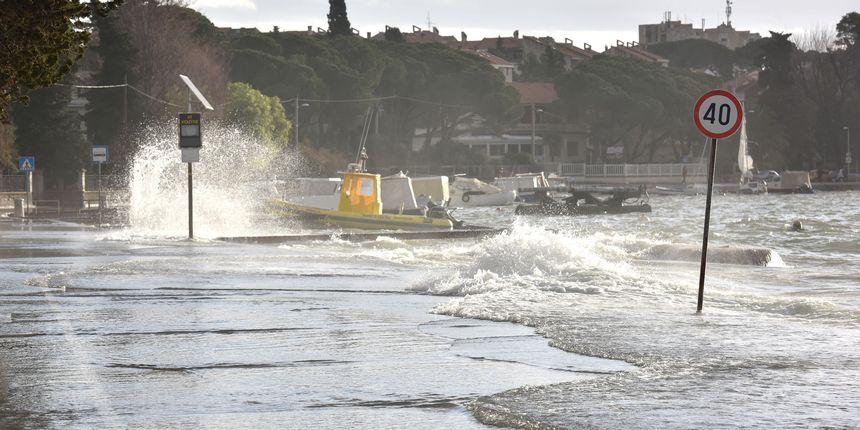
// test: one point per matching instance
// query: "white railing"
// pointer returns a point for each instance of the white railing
(625, 170)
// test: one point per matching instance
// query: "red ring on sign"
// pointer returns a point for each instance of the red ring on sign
(734, 101)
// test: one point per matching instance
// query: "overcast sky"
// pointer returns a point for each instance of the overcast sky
(598, 22)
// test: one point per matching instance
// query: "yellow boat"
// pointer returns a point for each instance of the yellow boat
(359, 205)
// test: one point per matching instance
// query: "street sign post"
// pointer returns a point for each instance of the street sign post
(190, 141)
(27, 164)
(100, 156)
(717, 115)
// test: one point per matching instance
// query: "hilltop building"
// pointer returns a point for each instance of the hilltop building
(674, 31)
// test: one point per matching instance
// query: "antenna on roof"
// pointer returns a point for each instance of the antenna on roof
(728, 13)
(429, 23)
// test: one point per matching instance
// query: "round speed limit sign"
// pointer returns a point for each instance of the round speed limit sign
(718, 114)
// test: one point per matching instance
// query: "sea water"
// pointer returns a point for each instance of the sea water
(562, 322)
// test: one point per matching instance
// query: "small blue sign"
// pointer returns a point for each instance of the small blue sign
(100, 154)
(27, 164)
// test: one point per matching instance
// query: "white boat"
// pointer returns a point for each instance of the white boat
(749, 184)
(524, 184)
(471, 192)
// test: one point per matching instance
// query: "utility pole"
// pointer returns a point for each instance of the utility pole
(848, 159)
(533, 132)
(297, 121)
(125, 103)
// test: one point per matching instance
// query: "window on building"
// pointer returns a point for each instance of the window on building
(555, 149)
(572, 148)
(526, 148)
(479, 149)
(497, 150)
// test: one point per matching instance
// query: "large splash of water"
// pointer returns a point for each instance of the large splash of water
(235, 179)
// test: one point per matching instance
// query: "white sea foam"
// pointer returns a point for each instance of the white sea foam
(532, 257)
(233, 182)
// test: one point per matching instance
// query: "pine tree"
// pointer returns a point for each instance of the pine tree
(105, 121)
(338, 23)
(47, 129)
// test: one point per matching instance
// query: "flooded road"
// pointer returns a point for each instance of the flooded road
(101, 332)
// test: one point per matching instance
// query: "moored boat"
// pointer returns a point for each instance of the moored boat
(471, 192)
(585, 203)
(360, 205)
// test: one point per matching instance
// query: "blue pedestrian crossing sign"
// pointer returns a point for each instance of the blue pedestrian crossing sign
(27, 164)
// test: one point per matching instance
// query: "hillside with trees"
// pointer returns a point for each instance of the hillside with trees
(408, 94)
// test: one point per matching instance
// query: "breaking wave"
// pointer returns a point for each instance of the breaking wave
(235, 179)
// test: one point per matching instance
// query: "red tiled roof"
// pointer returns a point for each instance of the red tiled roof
(637, 53)
(494, 42)
(428, 37)
(574, 51)
(542, 93)
(492, 59)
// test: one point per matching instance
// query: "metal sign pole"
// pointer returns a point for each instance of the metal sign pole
(190, 188)
(29, 190)
(190, 205)
(191, 140)
(100, 195)
(707, 225)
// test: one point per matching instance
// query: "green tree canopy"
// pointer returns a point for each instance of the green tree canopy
(697, 54)
(48, 130)
(42, 40)
(848, 30)
(257, 113)
(338, 23)
(633, 103)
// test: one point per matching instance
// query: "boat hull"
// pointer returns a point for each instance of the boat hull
(362, 221)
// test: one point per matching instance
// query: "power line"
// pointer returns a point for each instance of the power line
(291, 100)
(91, 87)
(132, 87)
(429, 102)
(371, 99)
(152, 97)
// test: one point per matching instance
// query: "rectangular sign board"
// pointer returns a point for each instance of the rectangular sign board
(100, 154)
(27, 164)
(189, 130)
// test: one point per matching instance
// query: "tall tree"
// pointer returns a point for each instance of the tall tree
(41, 40)
(338, 23)
(48, 130)
(150, 43)
(257, 113)
(784, 117)
(109, 108)
(848, 30)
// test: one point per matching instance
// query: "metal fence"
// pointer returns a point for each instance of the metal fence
(625, 170)
(91, 182)
(13, 183)
(562, 169)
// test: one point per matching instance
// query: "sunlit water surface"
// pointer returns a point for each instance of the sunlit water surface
(137, 328)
